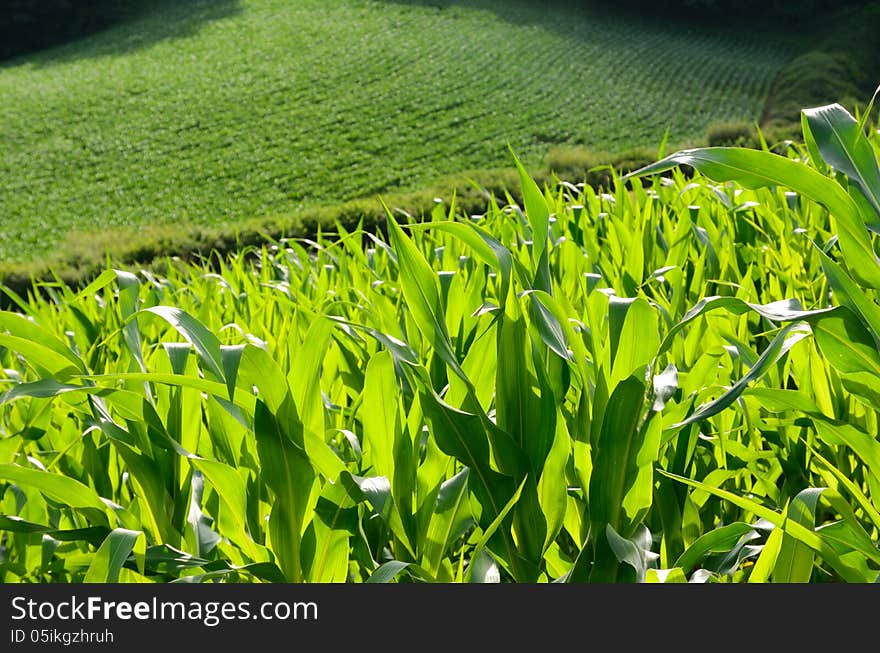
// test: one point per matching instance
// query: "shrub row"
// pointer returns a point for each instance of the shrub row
(751, 11)
(81, 256)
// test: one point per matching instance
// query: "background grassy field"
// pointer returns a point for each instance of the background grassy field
(214, 112)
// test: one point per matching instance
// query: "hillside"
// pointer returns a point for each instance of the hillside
(215, 111)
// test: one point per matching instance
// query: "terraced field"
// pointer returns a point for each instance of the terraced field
(211, 112)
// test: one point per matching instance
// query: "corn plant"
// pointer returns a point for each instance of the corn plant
(836, 395)
(641, 383)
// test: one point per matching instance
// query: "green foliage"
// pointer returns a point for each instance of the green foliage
(82, 255)
(576, 163)
(27, 25)
(578, 386)
(809, 80)
(840, 64)
(739, 134)
(745, 10)
(848, 337)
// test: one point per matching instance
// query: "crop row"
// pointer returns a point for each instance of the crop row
(675, 382)
(284, 104)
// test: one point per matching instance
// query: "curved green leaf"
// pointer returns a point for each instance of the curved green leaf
(779, 346)
(111, 555)
(843, 146)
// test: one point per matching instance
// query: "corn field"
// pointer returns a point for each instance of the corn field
(674, 379)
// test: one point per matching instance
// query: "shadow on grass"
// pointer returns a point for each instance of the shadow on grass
(134, 26)
(572, 17)
(558, 15)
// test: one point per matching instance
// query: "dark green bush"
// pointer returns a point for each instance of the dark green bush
(812, 79)
(29, 25)
(778, 11)
(579, 164)
(737, 133)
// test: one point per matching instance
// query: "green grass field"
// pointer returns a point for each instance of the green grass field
(214, 112)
